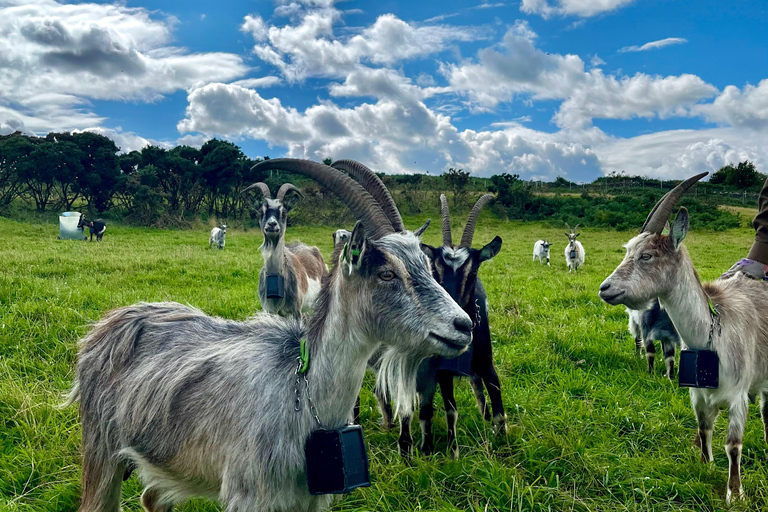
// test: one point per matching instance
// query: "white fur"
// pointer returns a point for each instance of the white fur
(455, 257)
(313, 290)
(574, 264)
(217, 237)
(541, 252)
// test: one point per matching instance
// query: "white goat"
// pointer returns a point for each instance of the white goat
(541, 251)
(574, 251)
(217, 236)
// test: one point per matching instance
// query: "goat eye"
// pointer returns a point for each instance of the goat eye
(386, 275)
(645, 256)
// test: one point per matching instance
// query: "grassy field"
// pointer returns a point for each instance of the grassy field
(589, 430)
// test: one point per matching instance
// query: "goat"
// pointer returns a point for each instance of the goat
(217, 236)
(302, 267)
(541, 251)
(95, 227)
(648, 325)
(574, 251)
(206, 406)
(456, 269)
(727, 314)
(340, 237)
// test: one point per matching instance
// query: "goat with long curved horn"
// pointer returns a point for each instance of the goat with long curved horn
(261, 186)
(357, 199)
(469, 229)
(284, 188)
(660, 214)
(456, 269)
(446, 216)
(374, 186)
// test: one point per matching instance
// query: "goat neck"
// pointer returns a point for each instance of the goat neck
(687, 305)
(274, 254)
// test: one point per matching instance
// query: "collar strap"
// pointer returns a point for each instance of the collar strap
(303, 356)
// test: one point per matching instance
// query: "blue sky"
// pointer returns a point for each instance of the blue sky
(541, 88)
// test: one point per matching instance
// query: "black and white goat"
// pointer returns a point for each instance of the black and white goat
(340, 237)
(299, 265)
(649, 325)
(541, 251)
(95, 227)
(210, 407)
(727, 315)
(456, 269)
(217, 236)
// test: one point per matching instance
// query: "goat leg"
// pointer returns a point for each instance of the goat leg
(405, 441)
(477, 387)
(737, 418)
(451, 412)
(764, 414)
(426, 413)
(668, 347)
(385, 408)
(705, 418)
(650, 354)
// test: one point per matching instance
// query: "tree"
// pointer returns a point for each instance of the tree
(14, 149)
(457, 180)
(743, 176)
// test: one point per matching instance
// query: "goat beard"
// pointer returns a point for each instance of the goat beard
(396, 379)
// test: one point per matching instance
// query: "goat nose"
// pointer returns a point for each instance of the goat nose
(463, 324)
(604, 286)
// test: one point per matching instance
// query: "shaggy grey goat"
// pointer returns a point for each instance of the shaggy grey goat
(301, 266)
(206, 406)
(649, 325)
(658, 265)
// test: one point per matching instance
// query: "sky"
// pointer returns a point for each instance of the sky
(539, 88)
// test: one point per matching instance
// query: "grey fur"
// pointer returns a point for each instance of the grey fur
(217, 237)
(205, 406)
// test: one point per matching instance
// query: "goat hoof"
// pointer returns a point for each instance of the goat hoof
(732, 496)
(500, 424)
(427, 449)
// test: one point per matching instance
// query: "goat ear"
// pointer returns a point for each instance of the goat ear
(567, 234)
(679, 228)
(667, 228)
(353, 251)
(429, 251)
(577, 235)
(490, 250)
(422, 229)
(291, 198)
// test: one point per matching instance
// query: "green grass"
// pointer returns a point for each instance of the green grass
(589, 430)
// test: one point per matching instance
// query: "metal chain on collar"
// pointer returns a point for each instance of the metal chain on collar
(477, 313)
(715, 324)
(297, 405)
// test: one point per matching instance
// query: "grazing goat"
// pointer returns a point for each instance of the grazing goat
(649, 325)
(456, 269)
(301, 266)
(574, 251)
(95, 227)
(206, 406)
(727, 314)
(541, 251)
(217, 236)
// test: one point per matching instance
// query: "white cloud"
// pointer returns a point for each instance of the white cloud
(654, 45)
(582, 8)
(746, 108)
(127, 141)
(400, 135)
(56, 57)
(311, 49)
(256, 83)
(680, 153)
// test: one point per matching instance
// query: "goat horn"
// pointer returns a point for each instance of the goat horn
(446, 215)
(261, 186)
(373, 184)
(660, 214)
(284, 188)
(363, 206)
(469, 229)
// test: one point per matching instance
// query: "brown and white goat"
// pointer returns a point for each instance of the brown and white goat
(658, 265)
(301, 266)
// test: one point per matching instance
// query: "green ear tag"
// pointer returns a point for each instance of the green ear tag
(303, 355)
(355, 252)
(712, 307)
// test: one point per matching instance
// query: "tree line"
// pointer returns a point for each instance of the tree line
(160, 186)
